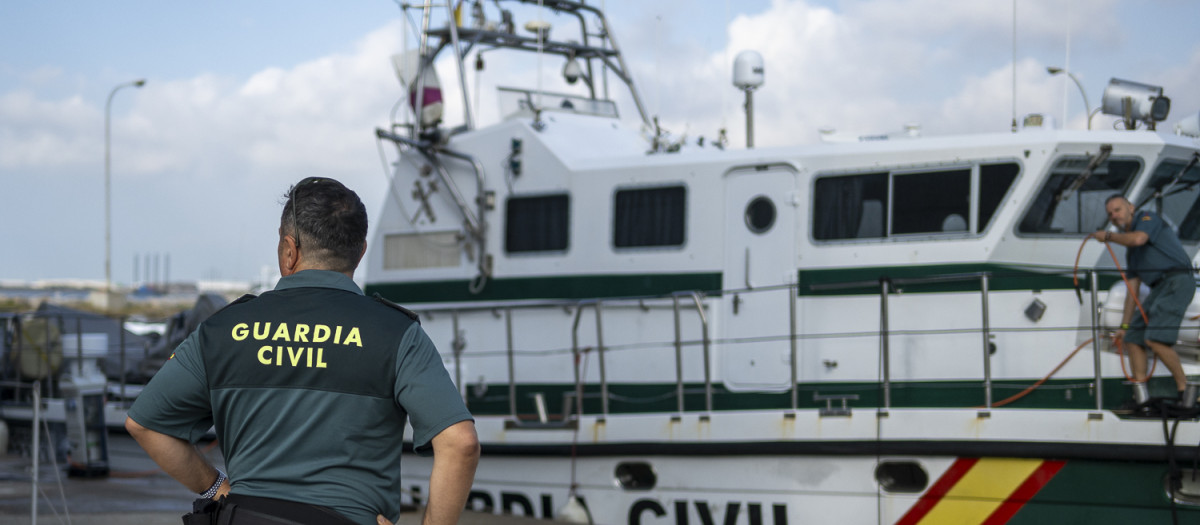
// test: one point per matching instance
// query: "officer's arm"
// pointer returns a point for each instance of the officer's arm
(1128, 239)
(455, 455)
(178, 458)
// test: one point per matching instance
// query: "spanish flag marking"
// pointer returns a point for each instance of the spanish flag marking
(986, 491)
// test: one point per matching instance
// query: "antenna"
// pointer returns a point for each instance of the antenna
(748, 76)
(1014, 69)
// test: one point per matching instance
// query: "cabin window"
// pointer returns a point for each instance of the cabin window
(537, 224)
(901, 476)
(959, 200)
(1072, 202)
(760, 214)
(851, 207)
(931, 202)
(404, 251)
(646, 217)
(994, 182)
(1179, 192)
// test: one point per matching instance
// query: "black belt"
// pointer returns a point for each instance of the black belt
(236, 509)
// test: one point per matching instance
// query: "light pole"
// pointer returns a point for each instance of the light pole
(108, 185)
(1087, 107)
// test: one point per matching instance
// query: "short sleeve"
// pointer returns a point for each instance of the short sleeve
(1149, 223)
(424, 389)
(176, 400)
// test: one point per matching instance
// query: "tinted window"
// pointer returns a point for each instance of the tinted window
(1070, 204)
(850, 207)
(537, 224)
(760, 214)
(938, 201)
(649, 217)
(994, 181)
(1178, 191)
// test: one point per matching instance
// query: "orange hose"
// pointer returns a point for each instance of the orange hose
(1120, 344)
(1034, 386)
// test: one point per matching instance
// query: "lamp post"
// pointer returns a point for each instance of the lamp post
(1087, 107)
(108, 185)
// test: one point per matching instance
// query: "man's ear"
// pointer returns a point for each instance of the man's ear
(289, 255)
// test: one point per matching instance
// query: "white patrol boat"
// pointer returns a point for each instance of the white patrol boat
(873, 331)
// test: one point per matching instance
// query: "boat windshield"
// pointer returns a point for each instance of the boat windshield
(1179, 184)
(515, 102)
(1059, 212)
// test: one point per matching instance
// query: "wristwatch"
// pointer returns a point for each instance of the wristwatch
(212, 491)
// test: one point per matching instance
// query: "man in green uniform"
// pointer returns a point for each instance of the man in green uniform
(1156, 257)
(309, 387)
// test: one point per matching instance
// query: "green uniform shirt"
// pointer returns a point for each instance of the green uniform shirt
(309, 387)
(1162, 252)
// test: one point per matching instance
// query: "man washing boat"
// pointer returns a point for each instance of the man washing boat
(1156, 257)
(309, 387)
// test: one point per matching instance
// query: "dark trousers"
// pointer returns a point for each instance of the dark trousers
(236, 509)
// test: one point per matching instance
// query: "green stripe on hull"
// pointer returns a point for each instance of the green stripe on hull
(625, 398)
(816, 282)
(1102, 493)
(1001, 277)
(551, 287)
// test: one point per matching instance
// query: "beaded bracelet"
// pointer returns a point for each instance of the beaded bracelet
(212, 491)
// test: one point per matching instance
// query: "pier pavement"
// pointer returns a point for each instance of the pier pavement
(136, 492)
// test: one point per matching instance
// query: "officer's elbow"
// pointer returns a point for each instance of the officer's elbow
(459, 440)
(132, 426)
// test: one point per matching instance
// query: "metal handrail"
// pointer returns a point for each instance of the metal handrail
(987, 340)
(1094, 279)
(575, 352)
(512, 366)
(708, 404)
(884, 350)
(886, 288)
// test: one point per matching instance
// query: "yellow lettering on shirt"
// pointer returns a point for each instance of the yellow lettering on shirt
(281, 355)
(320, 333)
(281, 333)
(353, 338)
(301, 335)
(266, 329)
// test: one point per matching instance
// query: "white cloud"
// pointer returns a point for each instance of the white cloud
(199, 160)
(872, 67)
(36, 132)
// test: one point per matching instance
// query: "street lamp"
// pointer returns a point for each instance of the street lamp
(108, 185)
(1087, 107)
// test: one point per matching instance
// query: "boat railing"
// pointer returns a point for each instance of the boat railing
(698, 303)
(888, 286)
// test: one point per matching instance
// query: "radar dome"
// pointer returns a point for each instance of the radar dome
(748, 70)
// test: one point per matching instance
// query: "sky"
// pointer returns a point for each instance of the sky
(243, 99)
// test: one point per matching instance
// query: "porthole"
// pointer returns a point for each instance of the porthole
(901, 476)
(636, 476)
(760, 214)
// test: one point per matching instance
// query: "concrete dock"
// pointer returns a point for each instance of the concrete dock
(136, 492)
